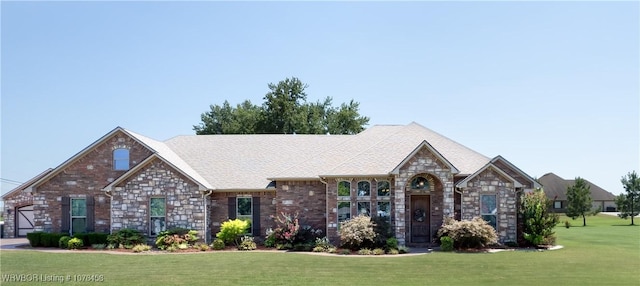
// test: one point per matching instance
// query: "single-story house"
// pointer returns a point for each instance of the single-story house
(555, 187)
(408, 174)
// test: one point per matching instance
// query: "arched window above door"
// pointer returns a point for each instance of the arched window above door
(420, 183)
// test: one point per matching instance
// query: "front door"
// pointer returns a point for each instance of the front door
(420, 219)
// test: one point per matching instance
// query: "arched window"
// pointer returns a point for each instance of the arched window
(420, 183)
(121, 159)
(364, 189)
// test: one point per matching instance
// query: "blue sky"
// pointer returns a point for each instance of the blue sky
(550, 86)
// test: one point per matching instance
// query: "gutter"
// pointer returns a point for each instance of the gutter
(206, 214)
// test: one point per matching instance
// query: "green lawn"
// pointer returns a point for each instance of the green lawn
(606, 252)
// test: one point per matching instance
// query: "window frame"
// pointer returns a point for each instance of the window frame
(120, 159)
(73, 216)
(388, 193)
(245, 217)
(555, 204)
(388, 203)
(152, 217)
(493, 212)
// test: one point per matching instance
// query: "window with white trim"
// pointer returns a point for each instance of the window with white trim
(78, 215)
(364, 198)
(121, 159)
(244, 210)
(157, 215)
(489, 209)
(557, 204)
(344, 201)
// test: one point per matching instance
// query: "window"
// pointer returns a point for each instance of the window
(157, 214)
(364, 208)
(488, 209)
(420, 183)
(244, 210)
(344, 211)
(364, 189)
(383, 189)
(557, 204)
(384, 210)
(121, 159)
(344, 189)
(78, 216)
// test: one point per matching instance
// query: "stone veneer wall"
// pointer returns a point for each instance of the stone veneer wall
(85, 177)
(219, 209)
(332, 201)
(490, 182)
(423, 162)
(13, 202)
(185, 204)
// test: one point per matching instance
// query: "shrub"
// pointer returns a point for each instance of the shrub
(403, 249)
(290, 232)
(323, 245)
(357, 232)
(567, 224)
(475, 233)
(176, 237)
(50, 239)
(383, 230)
(446, 243)
(393, 251)
(201, 246)
(392, 243)
(141, 248)
(270, 241)
(99, 246)
(303, 247)
(538, 221)
(231, 230)
(92, 238)
(378, 251)
(75, 243)
(345, 251)
(34, 238)
(365, 251)
(64, 242)
(217, 244)
(126, 238)
(247, 243)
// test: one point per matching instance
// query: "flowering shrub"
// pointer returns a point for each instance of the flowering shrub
(324, 245)
(475, 233)
(231, 230)
(291, 234)
(357, 232)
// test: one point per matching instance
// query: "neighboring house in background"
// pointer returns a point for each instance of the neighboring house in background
(555, 188)
(408, 174)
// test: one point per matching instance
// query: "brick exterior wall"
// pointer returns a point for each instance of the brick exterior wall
(489, 182)
(84, 177)
(185, 204)
(219, 209)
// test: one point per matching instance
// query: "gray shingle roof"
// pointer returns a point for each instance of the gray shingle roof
(556, 187)
(250, 161)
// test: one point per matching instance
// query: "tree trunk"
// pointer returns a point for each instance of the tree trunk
(584, 220)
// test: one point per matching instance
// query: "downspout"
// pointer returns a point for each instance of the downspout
(326, 207)
(110, 211)
(206, 214)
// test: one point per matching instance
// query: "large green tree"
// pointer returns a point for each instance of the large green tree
(285, 111)
(629, 202)
(579, 200)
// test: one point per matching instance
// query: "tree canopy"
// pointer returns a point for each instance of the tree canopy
(285, 110)
(629, 202)
(579, 200)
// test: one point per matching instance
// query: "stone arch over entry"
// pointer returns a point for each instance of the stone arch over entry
(424, 195)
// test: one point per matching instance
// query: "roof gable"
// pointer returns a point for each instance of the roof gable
(555, 187)
(425, 145)
(26, 185)
(465, 181)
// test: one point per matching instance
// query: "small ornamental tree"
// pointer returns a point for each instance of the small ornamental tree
(579, 200)
(629, 202)
(538, 221)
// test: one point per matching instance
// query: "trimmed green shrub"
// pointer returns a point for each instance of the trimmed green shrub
(475, 233)
(75, 243)
(64, 242)
(50, 239)
(446, 243)
(34, 238)
(231, 230)
(92, 238)
(357, 232)
(176, 237)
(126, 238)
(218, 244)
(392, 243)
(247, 243)
(538, 221)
